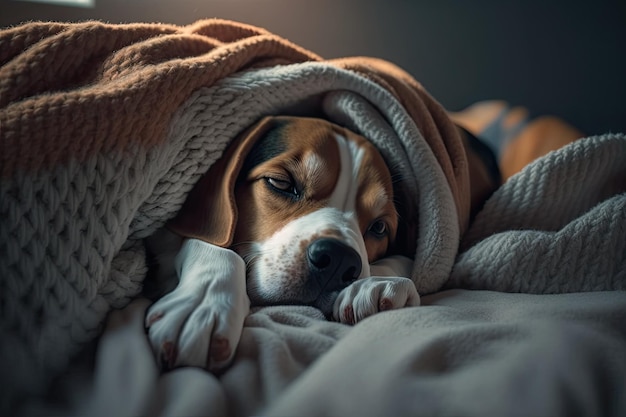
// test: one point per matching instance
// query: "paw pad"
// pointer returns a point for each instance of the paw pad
(348, 313)
(220, 349)
(385, 304)
(154, 318)
(168, 355)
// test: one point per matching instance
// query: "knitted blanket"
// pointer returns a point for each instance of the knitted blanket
(106, 128)
(558, 226)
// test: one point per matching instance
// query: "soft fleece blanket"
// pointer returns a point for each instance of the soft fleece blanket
(462, 353)
(105, 128)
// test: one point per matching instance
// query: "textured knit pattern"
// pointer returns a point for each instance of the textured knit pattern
(106, 128)
(558, 226)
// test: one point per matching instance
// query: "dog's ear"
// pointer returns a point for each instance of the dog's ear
(210, 211)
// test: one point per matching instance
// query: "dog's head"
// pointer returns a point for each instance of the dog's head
(307, 204)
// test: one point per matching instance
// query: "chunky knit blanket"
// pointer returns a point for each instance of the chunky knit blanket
(106, 128)
(559, 226)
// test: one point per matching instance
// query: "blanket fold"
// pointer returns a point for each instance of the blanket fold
(557, 227)
(104, 130)
(105, 83)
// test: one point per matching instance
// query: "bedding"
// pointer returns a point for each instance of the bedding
(105, 129)
(462, 353)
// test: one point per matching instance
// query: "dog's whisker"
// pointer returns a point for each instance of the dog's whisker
(251, 259)
(251, 255)
(247, 242)
(397, 178)
(255, 255)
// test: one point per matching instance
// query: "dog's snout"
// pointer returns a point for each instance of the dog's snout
(333, 263)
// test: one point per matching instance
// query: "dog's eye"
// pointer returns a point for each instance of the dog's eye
(378, 228)
(282, 185)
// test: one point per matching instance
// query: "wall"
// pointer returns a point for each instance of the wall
(554, 56)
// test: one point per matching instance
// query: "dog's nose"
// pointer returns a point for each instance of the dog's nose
(333, 263)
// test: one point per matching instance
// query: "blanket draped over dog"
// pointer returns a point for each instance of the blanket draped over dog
(104, 129)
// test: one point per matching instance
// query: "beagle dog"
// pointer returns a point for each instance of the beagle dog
(297, 211)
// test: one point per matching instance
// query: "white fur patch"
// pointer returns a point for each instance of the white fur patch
(205, 312)
(315, 166)
(344, 195)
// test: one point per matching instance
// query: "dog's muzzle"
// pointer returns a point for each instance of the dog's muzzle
(332, 264)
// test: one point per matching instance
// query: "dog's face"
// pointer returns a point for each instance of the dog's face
(315, 208)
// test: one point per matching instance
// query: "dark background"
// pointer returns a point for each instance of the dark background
(554, 56)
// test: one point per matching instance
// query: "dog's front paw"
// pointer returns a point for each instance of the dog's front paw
(200, 322)
(369, 296)
(190, 330)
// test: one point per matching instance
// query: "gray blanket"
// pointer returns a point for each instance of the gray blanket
(462, 353)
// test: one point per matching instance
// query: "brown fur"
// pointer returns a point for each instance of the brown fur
(542, 135)
(263, 212)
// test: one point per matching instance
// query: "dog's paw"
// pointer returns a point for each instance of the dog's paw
(200, 322)
(369, 296)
